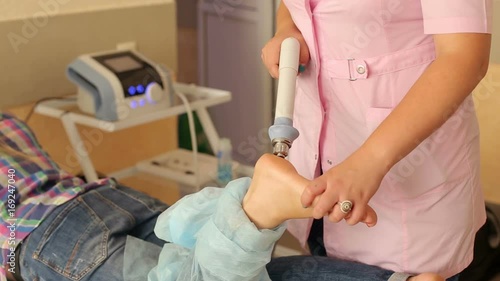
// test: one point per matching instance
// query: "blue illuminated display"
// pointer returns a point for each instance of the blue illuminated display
(140, 89)
(131, 90)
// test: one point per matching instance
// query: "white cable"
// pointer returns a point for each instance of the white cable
(167, 82)
(192, 132)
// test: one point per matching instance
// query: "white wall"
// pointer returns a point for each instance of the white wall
(35, 52)
(20, 9)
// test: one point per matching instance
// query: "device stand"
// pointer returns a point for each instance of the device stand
(200, 99)
(81, 153)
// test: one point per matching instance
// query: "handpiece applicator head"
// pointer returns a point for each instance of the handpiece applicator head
(281, 147)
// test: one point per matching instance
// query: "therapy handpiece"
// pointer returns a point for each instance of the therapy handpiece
(282, 133)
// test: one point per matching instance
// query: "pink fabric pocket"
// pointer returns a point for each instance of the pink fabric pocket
(417, 173)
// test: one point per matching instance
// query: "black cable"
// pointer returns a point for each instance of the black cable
(32, 110)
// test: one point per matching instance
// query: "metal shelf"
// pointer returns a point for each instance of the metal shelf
(199, 98)
(67, 111)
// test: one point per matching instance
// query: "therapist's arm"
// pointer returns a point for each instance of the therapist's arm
(283, 18)
(461, 62)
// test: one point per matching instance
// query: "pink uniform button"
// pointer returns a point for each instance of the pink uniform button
(361, 69)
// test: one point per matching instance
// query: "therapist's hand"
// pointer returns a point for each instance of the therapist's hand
(271, 51)
(356, 179)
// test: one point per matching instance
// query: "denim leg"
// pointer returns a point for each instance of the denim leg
(85, 238)
(305, 268)
(145, 230)
(68, 244)
(302, 268)
(138, 215)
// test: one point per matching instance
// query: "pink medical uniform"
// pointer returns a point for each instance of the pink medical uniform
(365, 56)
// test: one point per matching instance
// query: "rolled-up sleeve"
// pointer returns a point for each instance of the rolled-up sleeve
(457, 16)
(213, 239)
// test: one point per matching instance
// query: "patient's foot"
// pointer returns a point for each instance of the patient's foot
(426, 277)
(274, 194)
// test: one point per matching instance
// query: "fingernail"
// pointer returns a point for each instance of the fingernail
(305, 207)
(302, 68)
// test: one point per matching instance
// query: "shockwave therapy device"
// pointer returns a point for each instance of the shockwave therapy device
(282, 133)
(116, 85)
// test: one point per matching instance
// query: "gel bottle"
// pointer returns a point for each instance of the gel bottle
(224, 162)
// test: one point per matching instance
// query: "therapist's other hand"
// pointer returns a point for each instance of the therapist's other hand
(356, 179)
(271, 51)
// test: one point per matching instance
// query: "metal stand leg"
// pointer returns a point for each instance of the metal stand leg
(209, 128)
(79, 148)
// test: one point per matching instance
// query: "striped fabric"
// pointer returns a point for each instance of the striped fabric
(30, 186)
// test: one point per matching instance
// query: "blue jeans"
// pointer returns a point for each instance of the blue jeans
(323, 269)
(84, 238)
(318, 268)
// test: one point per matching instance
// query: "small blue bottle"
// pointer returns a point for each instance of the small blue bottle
(224, 162)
